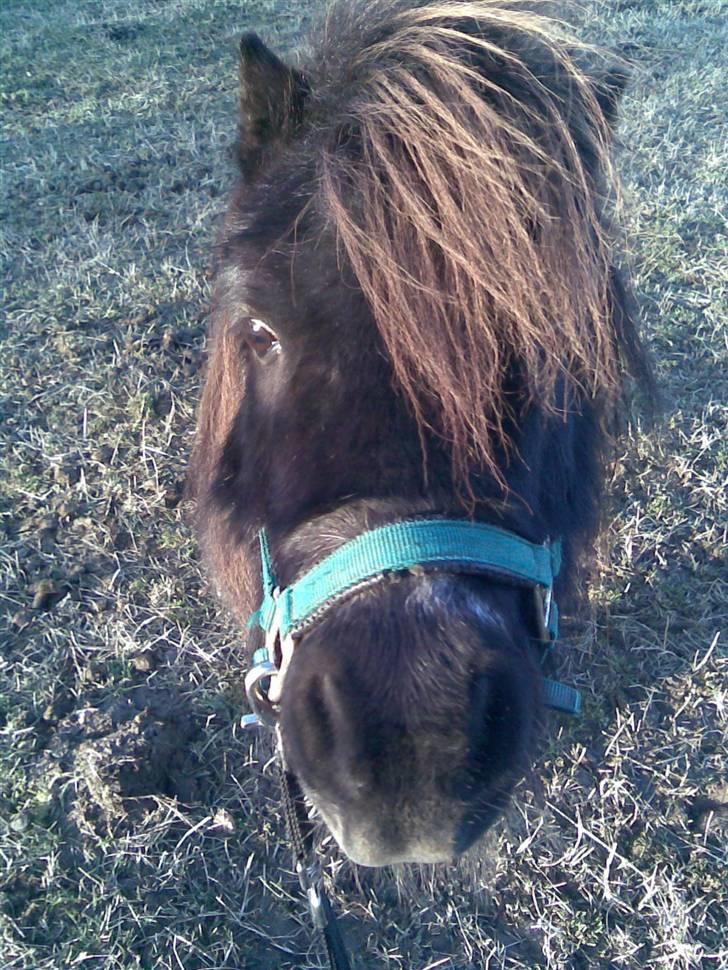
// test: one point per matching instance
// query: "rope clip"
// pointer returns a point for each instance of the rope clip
(310, 879)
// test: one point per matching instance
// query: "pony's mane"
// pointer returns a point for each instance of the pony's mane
(464, 174)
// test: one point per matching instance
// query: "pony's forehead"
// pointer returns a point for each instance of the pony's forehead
(267, 227)
(272, 207)
(264, 271)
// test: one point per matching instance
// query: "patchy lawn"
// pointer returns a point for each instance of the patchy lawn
(138, 827)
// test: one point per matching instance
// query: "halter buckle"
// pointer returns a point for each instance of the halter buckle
(546, 614)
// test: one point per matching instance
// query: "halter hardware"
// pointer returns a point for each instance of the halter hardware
(454, 545)
(264, 711)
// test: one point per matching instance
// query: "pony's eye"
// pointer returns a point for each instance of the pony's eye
(261, 339)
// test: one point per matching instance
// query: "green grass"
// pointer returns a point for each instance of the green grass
(138, 827)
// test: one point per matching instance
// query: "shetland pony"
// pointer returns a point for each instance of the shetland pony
(417, 313)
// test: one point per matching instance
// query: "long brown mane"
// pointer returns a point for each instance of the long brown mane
(465, 187)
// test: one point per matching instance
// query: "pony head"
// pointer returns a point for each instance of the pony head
(417, 314)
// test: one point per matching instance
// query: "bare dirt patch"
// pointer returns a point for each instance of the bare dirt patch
(104, 765)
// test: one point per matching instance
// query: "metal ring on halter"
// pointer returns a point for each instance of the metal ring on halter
(257, 691)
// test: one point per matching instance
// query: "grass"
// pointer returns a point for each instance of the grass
(138, 827)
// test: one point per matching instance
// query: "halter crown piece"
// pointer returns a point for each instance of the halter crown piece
(452, 545)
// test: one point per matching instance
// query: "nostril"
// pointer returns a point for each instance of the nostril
(320, 727)
(498, 723)
(317, 715)
(498, 726)
(320, 713)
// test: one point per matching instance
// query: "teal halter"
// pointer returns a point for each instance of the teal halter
(455, 545)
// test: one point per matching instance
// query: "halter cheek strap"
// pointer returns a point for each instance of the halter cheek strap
(453, 545)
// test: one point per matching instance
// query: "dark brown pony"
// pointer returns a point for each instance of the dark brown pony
(417, 311)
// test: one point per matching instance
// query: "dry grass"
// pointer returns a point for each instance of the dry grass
(138, 828)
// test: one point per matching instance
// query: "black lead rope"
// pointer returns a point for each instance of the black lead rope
(301, 832)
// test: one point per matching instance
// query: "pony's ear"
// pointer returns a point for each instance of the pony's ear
(271, 101)
(609, 89)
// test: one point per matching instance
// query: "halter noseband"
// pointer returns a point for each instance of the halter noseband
(453, 545)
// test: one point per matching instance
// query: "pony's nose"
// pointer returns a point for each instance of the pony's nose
(386, 838)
